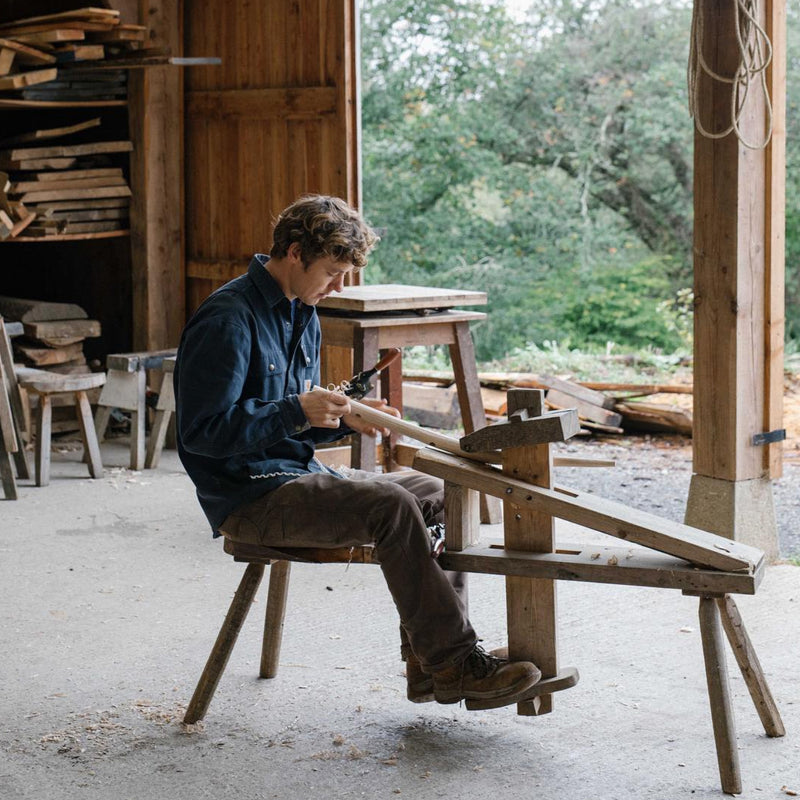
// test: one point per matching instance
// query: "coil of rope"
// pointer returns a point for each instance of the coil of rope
(755, 56)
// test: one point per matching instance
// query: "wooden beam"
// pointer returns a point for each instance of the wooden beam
(156, 101)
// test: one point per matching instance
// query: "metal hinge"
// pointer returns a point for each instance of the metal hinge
(768, 438)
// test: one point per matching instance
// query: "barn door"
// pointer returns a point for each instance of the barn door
(277, 119)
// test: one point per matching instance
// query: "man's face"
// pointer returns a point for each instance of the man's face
(315, 282)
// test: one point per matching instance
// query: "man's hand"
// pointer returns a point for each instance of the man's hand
(324, 409)
(358, 424)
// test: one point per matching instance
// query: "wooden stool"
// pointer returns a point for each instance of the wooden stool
(257, 558)
(126, 388)
(45, 385)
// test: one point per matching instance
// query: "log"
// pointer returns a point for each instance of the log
(22, 310)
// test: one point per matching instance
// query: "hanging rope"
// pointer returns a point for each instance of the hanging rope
(755, 55)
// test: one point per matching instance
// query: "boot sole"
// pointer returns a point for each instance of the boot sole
(508, 694)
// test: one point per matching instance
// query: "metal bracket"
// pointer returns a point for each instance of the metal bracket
(768, 438)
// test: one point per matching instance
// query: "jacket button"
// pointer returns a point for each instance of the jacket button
(308, 361)
(271, 367)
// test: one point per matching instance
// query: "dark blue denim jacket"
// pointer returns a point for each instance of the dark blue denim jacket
(241, 429)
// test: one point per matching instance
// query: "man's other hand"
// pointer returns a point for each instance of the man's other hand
(370, 429)
(324, 409)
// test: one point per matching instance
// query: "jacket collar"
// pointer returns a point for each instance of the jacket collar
(265, 283)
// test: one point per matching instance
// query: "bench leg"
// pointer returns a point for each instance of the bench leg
(750, 666)
(719, 697)
(138, 422)
(44, 418)
(157, 435)
(7, 476)
(223, 646)
(273, 623)
(90, 445)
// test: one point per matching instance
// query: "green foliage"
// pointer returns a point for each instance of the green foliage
(546, 162)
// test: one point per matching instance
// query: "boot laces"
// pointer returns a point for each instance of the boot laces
(480, 663)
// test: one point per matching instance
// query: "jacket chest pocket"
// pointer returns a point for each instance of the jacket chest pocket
(272, 370)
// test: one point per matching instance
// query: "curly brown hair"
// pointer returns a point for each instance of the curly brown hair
(323, 226)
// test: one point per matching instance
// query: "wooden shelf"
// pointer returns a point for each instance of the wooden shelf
(10, 103)
(69, 237)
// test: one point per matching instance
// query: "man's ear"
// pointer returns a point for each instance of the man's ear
(295, 252)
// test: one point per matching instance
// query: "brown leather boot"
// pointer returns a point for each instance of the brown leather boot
(484, 677)
(419, 685)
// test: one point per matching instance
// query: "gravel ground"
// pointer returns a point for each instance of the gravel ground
(653, 473)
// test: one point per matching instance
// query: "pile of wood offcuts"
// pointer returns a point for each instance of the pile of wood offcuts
(52, 336)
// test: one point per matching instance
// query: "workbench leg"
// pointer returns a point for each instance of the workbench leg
(750, 666)
(223, 646)
(365, 354)
(719, 697)
(44, 423)
(462, 356)
(273, 621)
(392, 392)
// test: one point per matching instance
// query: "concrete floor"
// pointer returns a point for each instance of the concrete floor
(113, 592)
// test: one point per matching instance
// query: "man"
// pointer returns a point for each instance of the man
(248, 424)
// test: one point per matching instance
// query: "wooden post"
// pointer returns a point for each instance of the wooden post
(156, 122)
(738, 316)
(530, 602)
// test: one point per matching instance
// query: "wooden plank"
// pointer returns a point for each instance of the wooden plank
(45, 163)
(76, 194)
(655, 417)
(23, 79)
(294, 103)
(47, 37)
(26, 54)
(24, 310)
(590, 396)
(111, 16)
(586, 410)
(699, 547)
(122, 33)
(462, 513)
(91, 215)
(78, 174)
(94, 227)
(6, 59)
(595, 563)
(50, 133)
(64, 205)
(79, 52)
(85, 328)
(47, 355)
(66, 151)
(20, 187)
(397, 297)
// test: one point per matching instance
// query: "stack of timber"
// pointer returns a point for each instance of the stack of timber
(56, 58)
(611, 408)
(52, 340)
(61, 189)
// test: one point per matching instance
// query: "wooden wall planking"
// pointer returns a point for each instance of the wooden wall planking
(271, 123)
